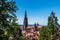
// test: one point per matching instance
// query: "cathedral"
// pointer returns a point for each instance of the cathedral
(30, 32)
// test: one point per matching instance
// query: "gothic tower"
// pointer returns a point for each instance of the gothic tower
(25, 21)
(35, 25)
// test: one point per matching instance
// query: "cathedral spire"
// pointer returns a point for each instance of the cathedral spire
(25, 20)
(25, 14)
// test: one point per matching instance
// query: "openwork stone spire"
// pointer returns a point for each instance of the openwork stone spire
(25, 20)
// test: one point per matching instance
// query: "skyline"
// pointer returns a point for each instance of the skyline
(37, 10)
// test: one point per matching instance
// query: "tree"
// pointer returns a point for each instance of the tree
(43, 34)
(49, 32)
(7, 10)
(8, 19)
(52, 25)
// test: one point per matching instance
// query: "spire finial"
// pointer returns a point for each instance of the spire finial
(25, 13)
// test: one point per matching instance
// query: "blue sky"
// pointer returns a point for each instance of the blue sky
(37, 10)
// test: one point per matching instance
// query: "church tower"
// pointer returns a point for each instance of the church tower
(25, 20)
(35, 25)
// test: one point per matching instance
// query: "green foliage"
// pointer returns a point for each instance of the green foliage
(8, 20)
(52, 25)
(49, 32)
(44, 34)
